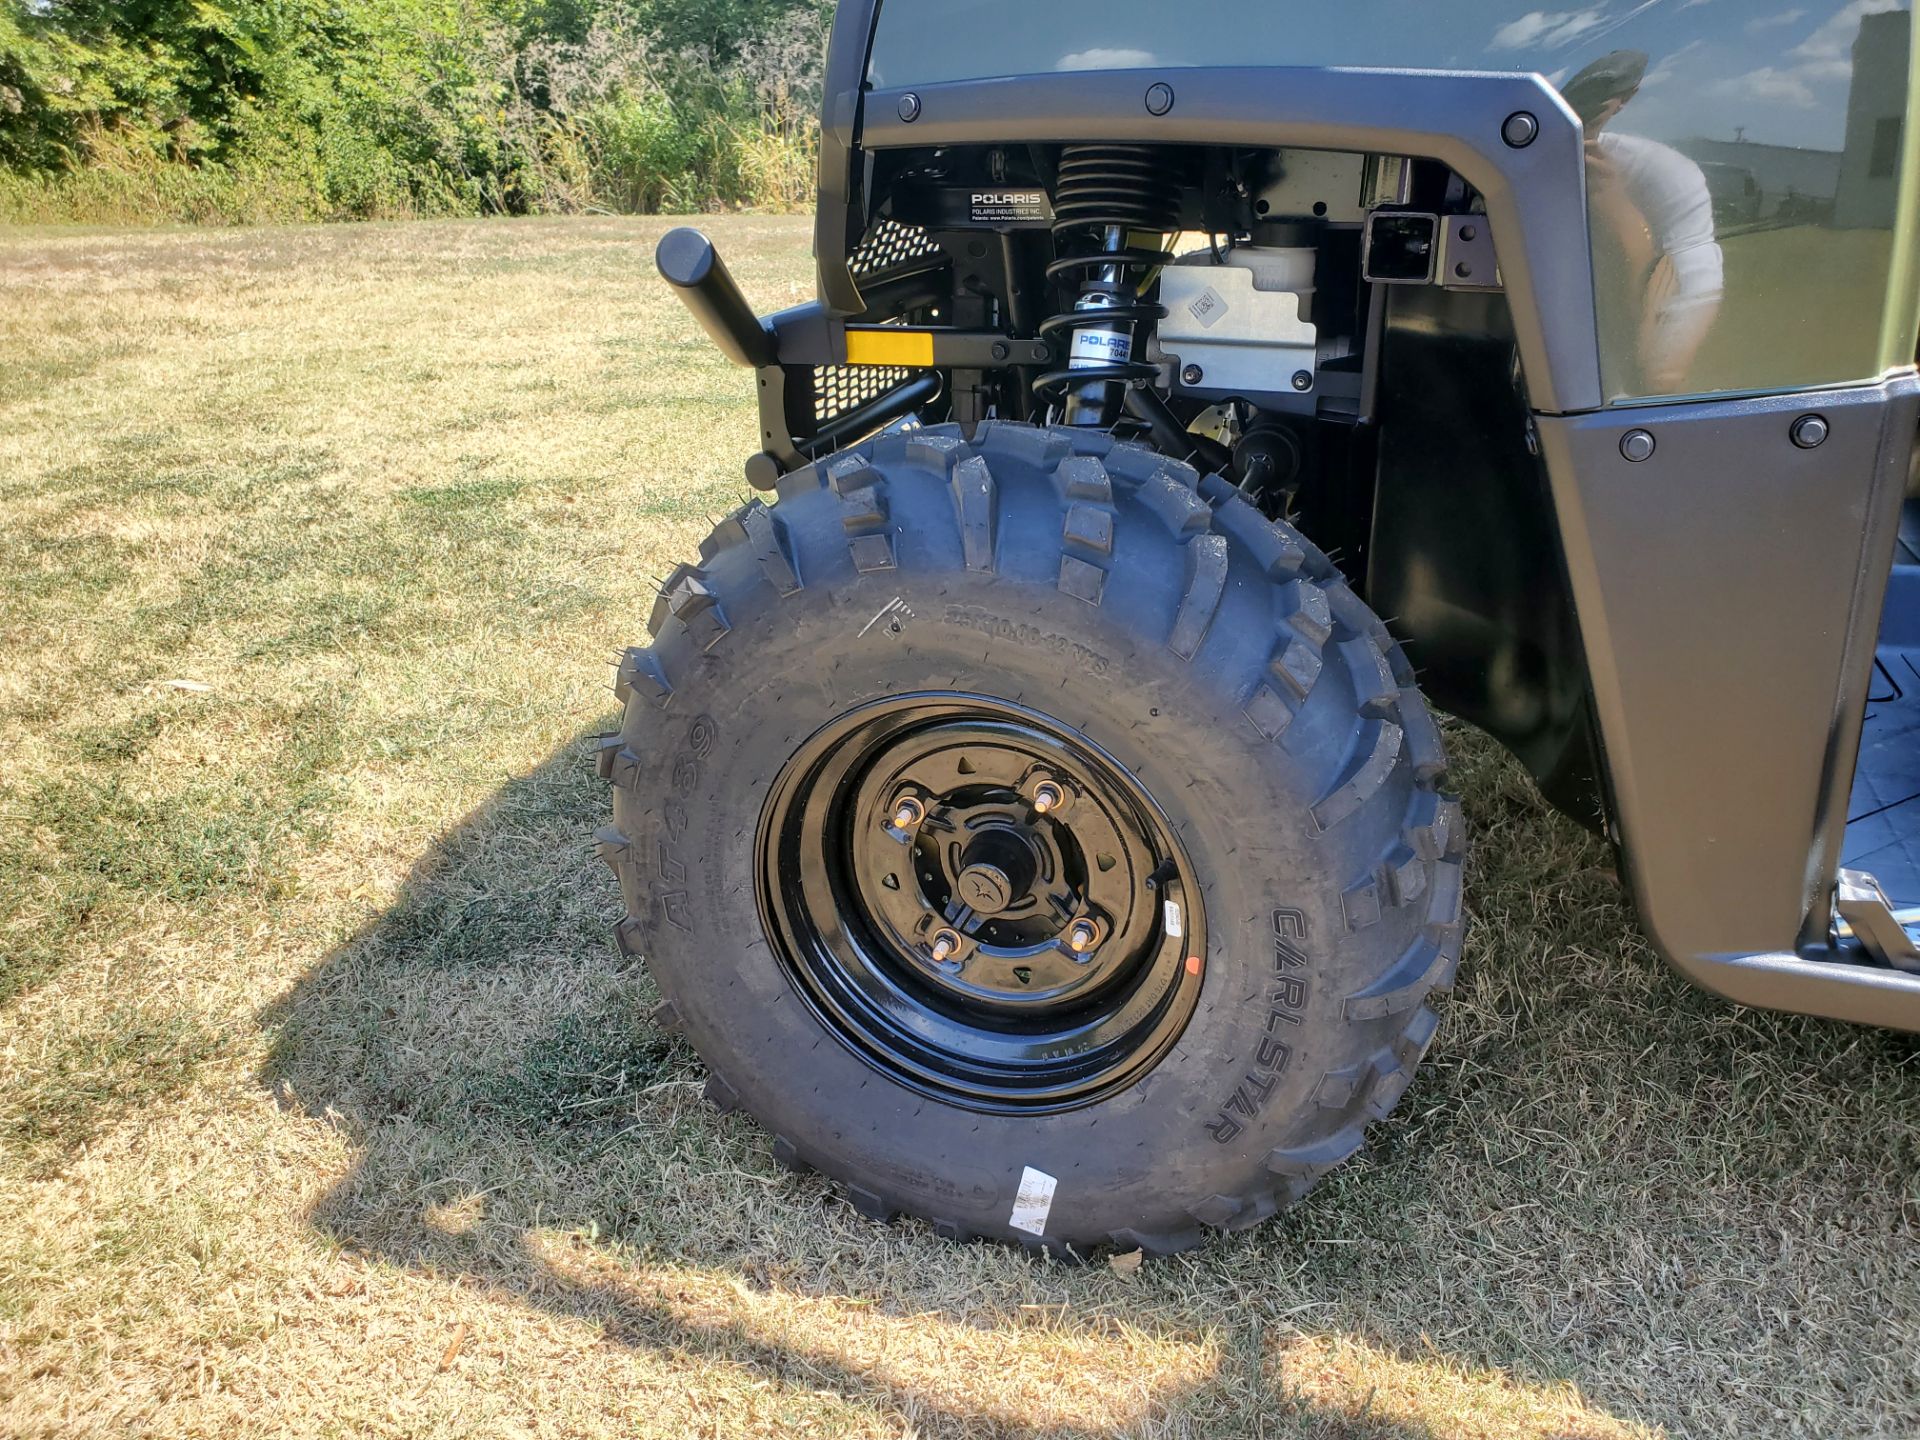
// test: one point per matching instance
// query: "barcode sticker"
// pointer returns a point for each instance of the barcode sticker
(1033, 1202)
(1171, 909)
(1209, 309)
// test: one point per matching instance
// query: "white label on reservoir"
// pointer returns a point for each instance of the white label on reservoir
(1171, 909)
(1033, 1202)
(1099, 347)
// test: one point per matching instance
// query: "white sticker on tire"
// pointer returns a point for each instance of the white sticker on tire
(1033, 1202)
(896, 612)
(1171, 910)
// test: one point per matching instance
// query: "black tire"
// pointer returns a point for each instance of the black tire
(1215, 655)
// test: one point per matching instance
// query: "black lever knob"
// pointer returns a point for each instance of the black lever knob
(688, 262)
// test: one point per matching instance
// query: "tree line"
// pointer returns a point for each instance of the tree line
(127, 111)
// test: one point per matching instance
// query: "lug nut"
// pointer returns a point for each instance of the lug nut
(908, 813)
(1047, 796)
(946, 945)
(1081, 936)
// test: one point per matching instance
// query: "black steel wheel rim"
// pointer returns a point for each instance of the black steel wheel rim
(980, 902)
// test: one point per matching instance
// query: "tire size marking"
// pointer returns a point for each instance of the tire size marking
(672, 893)
(1027, 637)
(1286, 998)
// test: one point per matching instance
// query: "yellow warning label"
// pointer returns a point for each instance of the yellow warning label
(889, 347)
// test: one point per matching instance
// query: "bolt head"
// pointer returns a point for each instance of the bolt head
(909, 107)
(1810, 432)
(908, 813)
(1159, 99)
(1192, 375)
(1047, 797)
(1637, 445)
(1081, 935)
(1520, 130)
(1303, 379)
(945, 945)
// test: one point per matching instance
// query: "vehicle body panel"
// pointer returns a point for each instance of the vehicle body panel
(1812, 102)
(1695, 630)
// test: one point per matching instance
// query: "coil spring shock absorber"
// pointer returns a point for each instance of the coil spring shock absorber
(1106, 195)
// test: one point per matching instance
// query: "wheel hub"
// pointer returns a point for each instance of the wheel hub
(980, 902)
(986, 889)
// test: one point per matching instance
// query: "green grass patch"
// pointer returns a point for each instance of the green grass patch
(85, 1078)
(587, 1074)
(464, 496)
(113, 833)
(186, 846)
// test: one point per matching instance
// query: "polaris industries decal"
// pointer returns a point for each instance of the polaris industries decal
(1008, 207)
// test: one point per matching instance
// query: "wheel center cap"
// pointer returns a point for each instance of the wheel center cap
(996, 871)
(987, 889)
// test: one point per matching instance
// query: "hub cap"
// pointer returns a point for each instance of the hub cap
(980, 902)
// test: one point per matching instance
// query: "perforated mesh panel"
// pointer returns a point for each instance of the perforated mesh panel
(840, 388)
(889, 248)
(890, 245)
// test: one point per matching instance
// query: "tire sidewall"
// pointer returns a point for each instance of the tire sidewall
(1266, 1028)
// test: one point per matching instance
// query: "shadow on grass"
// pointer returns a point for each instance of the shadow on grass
(1605, 1193)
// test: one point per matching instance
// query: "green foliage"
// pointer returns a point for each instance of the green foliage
(240, 110)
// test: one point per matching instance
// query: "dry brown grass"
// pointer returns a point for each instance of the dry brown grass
(328, 1108)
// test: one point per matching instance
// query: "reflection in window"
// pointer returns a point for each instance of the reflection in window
(1794, 161)
(1655, 252)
